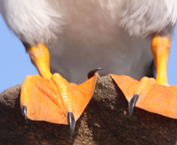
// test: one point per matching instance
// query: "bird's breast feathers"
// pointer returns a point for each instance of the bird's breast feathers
(40, 21)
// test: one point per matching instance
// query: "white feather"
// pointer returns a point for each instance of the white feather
(146, 17)
(33, 21)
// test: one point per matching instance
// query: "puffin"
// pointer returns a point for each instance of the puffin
(67, 39)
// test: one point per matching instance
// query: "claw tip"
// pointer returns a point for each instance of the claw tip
(132, 103)
(92, 72)
(24, 112)
(72, 123)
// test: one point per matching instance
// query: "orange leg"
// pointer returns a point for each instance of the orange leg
(40, 57)
(150, 94)
(160, 48)
(51, 98)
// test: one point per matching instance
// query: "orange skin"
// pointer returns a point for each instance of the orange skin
(51, 99)
(40, 57)
(155, 96)
(160, 47)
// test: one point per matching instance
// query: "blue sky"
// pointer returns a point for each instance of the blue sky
(15, 63)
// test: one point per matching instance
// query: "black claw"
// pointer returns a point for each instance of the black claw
(132, 103)
(92, 72)
(24, 112)
(72, 123)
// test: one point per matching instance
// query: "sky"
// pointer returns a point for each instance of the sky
(15, 63)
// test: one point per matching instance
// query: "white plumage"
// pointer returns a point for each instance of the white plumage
(93, 33)
(32, 21)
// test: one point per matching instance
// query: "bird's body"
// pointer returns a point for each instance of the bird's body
(83, 35)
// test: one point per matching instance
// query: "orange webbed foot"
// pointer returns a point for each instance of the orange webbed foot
(150, 96)
(55, 100)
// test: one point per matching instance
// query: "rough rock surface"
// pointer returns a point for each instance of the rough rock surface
(105, 121)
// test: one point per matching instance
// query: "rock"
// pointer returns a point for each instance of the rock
(105, 121)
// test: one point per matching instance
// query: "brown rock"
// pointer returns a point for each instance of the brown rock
(104, 122)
